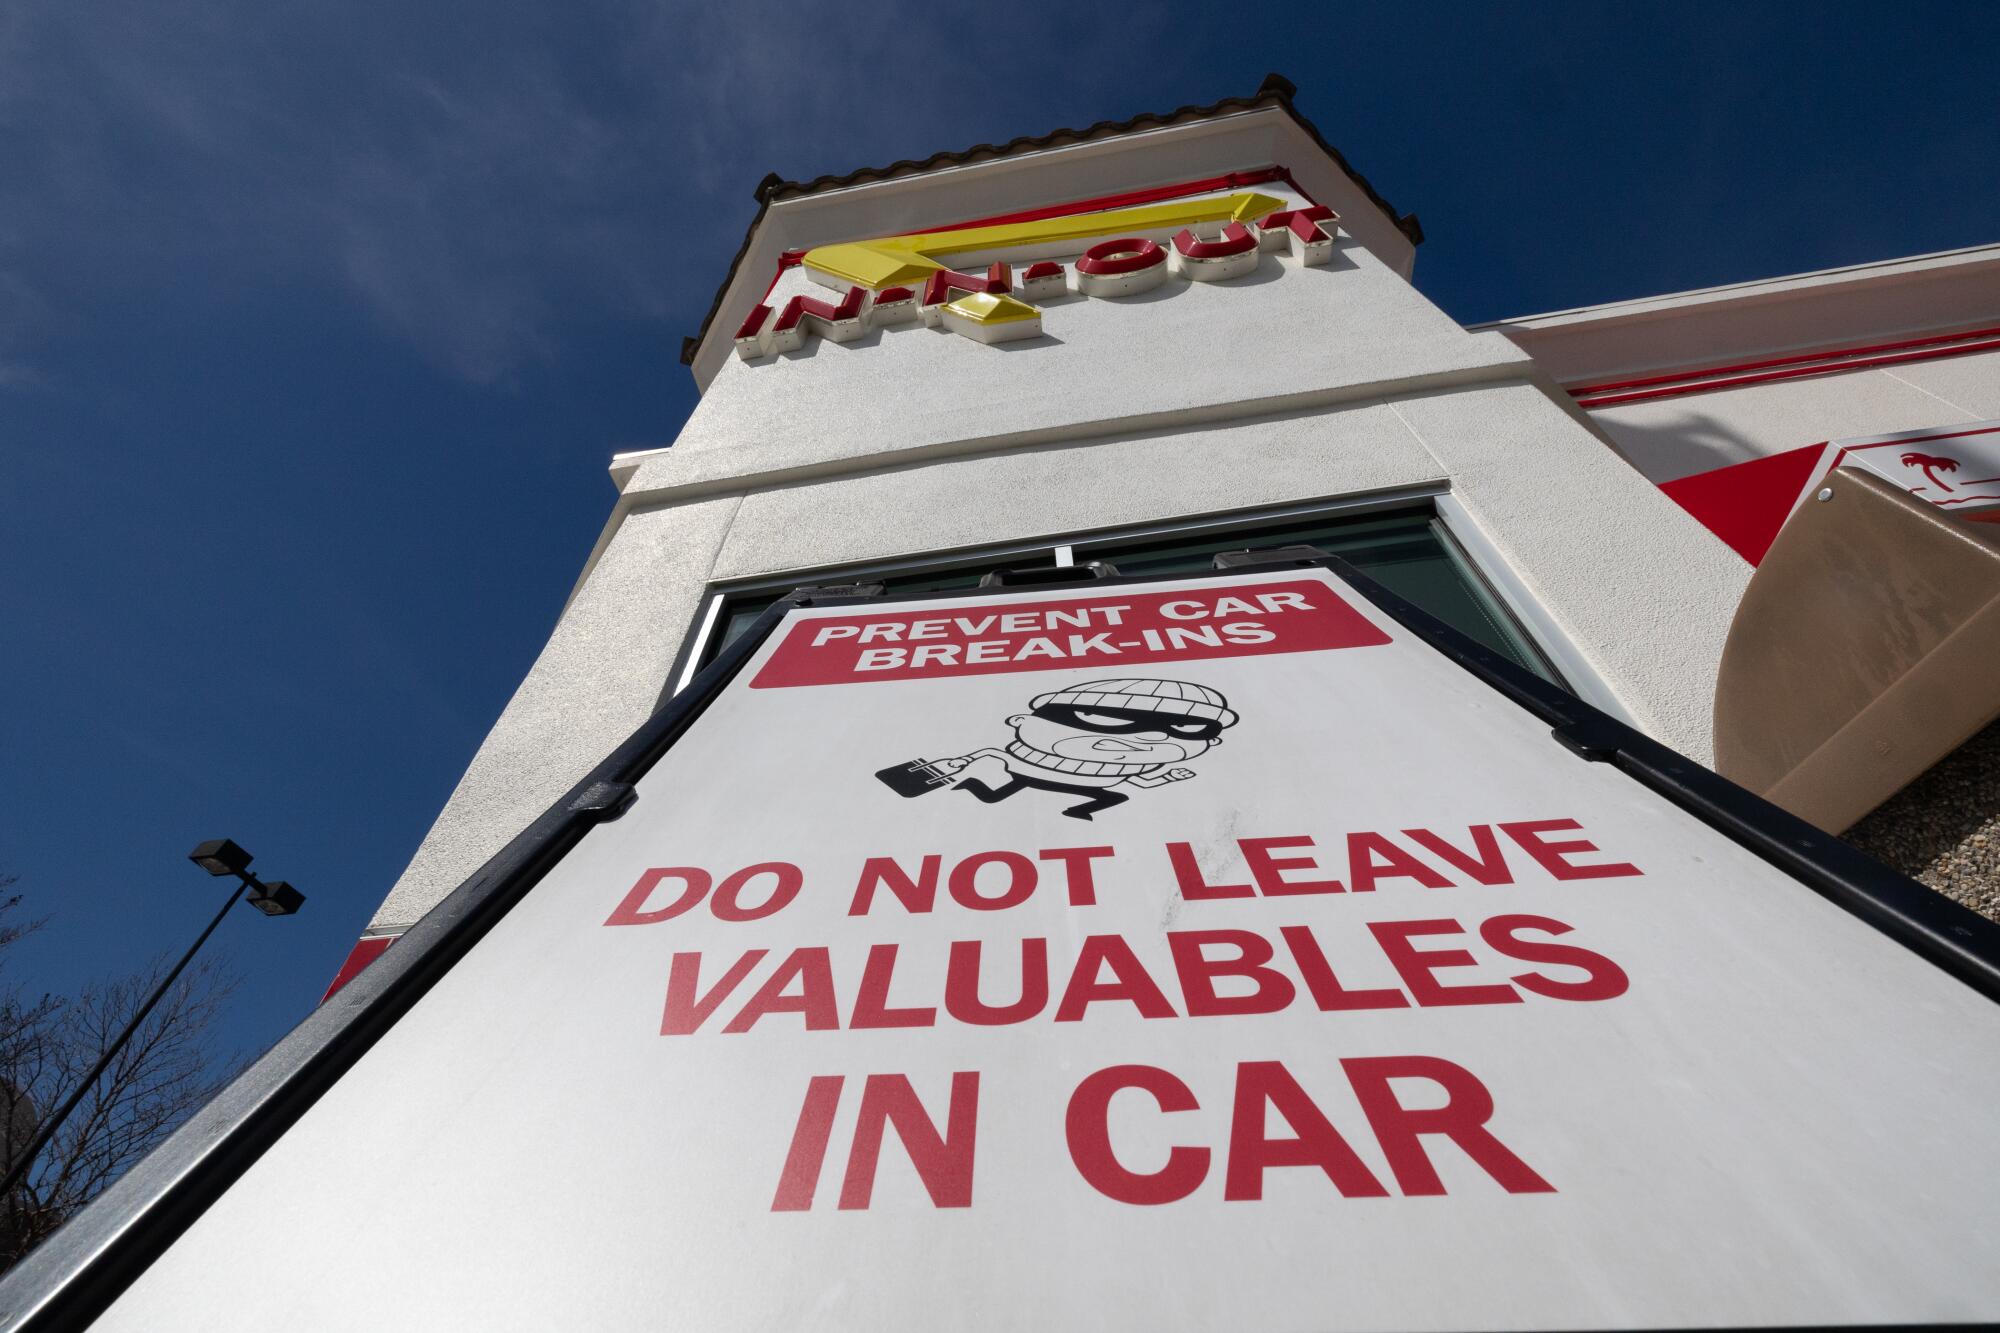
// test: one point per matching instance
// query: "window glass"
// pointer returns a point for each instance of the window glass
(740, 610)
(1409, 552)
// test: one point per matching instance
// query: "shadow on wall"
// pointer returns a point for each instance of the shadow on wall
(1687, 443)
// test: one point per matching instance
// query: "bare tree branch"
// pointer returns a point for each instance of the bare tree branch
(164, 1073)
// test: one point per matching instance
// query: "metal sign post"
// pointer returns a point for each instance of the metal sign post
(1244, 951)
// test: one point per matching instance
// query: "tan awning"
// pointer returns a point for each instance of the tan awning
(1866, 648)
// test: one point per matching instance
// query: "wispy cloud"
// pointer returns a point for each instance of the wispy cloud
(472, 179)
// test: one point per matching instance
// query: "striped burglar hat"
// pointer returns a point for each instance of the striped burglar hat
(1174, 698)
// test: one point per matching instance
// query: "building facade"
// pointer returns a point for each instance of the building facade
(1145, 343)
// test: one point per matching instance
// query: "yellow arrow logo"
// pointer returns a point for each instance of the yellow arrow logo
(898, 261)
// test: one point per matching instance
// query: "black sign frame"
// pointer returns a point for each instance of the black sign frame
(76, 1274)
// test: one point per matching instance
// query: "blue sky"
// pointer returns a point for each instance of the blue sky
(319, 324)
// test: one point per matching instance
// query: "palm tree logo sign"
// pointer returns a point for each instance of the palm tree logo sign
(1930, 465)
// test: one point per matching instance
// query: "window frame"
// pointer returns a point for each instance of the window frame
(1475, 559)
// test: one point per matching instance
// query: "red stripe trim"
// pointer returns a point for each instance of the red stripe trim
(1797, 372)
(1582, 390)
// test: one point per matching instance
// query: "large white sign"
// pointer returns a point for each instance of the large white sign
(1202, 955)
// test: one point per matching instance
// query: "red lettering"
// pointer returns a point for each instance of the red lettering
(1131, 981)
(1266, 1082)
(1236, 239)
(1077, 870)
(628, 912)
(1415, 966)
(1326, 990)
(871, 1006)
(728, 904)
(1269, 871)
(1370, 857)
(1128, 254)
(1271, 990)
(1462, 1119)
(686, 1009)
(1087, 1126)
(1303, 222)
(941, 285)
(916, 895)
(1021, 877)
(753, 322)
(943, 1161)
(1489, 867)
(800, 1179)
(961, 985)
(823, 314)
(813, 970)
(1554, 856)
(1603, 980)
(1187, 873)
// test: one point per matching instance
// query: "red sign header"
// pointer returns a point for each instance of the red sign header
(1232, 620)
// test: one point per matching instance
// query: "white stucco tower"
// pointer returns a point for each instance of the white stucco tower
(1193, 387)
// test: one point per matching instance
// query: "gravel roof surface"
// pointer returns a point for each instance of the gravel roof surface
(1944, 828)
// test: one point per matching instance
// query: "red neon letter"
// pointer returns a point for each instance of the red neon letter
(801, 308)
(941, 284)
(1236, 238)
(1128, 254)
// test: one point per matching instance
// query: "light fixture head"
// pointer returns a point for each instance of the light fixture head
(220, 856)
(277, 899)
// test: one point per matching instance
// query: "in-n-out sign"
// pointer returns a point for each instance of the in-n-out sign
(996, 307)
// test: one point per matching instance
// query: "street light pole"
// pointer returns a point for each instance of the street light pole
(218, 857)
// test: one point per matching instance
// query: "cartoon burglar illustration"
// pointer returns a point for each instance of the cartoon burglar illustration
(1087, 740)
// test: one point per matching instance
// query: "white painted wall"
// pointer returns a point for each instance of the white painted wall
(1288, 385)
(604, 667)
(1801, 312)
(1673, 437)
(1860, 305)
